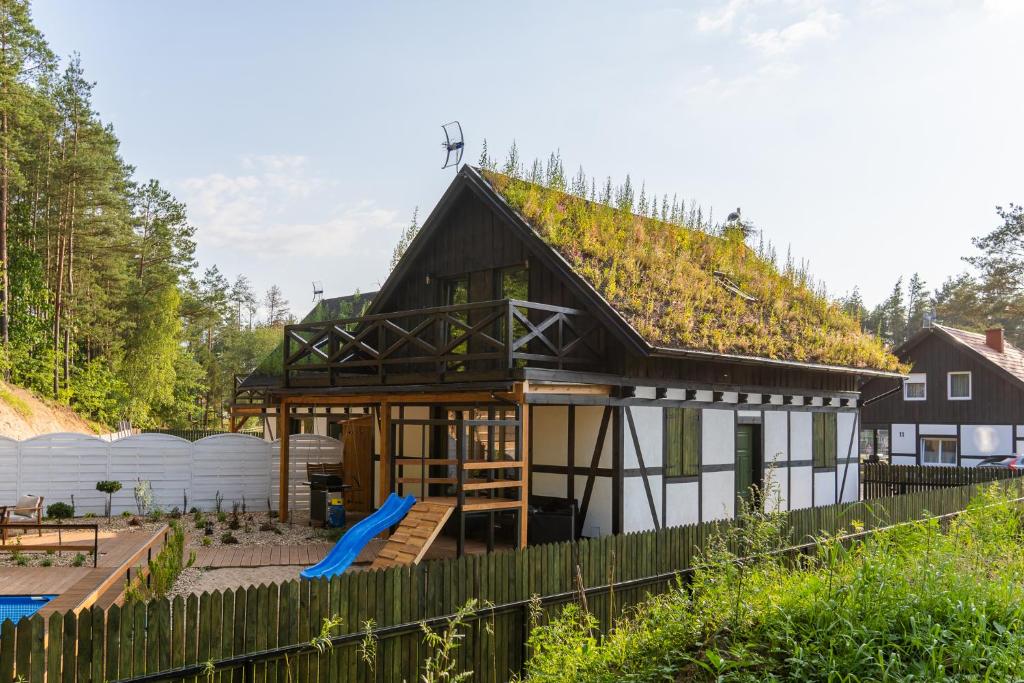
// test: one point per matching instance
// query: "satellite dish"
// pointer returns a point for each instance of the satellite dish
(318, 290)
(452, 144)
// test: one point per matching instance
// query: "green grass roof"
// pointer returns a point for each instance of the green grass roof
(661, 278)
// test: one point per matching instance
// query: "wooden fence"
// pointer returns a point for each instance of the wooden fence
(263, 633)
(879, 480)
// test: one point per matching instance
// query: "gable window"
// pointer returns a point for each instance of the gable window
(936, 451)
(823, 439)
(682, 442)
(915, 387)
(514, 283)
(958, 386)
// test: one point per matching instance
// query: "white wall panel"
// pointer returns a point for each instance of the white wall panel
(588, 424)
(163, 460)
(903, 439)
(718, 495)
(547, 484)
(598, 521)
(800, 487)
(903, 459)
(636, 510)
(682, 501)
(800, 438)
(10, 465)
(824, 488)
(986, 440)
(648, 423)
(938, 430)
(719, 439)
(549, 427)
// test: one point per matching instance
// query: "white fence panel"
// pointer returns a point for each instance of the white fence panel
(235, 465)
(165, 461)
(302, 449)
(58, 466)
(9, 470)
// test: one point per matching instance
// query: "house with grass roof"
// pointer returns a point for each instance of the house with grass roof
(551, 367)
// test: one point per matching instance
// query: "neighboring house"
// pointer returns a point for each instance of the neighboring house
(962, 402)
(531, 343)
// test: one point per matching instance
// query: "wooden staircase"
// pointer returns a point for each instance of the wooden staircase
(414, 535)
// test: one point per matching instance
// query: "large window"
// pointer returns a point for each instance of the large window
(935, 451)
(823, 434)
(958, 386)
(915, 387)
(874, 444)
(682, 442)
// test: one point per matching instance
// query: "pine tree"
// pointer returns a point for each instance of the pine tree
(512, 167)
(405, 239)
(919, 303)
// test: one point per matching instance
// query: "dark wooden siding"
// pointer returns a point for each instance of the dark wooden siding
(995, 398)
(474, 240)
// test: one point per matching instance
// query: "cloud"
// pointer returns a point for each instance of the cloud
(820, 24)
(278, 207)
(723, 19)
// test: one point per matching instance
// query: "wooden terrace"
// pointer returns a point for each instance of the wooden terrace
(77, 588)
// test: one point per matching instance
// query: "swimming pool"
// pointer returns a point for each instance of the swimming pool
(15, 607)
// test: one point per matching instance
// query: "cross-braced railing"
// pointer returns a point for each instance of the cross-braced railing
(446, 343)
(246, 395)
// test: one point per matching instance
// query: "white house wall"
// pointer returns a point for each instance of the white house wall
(682, 503)
(801, 472)
(776, 458)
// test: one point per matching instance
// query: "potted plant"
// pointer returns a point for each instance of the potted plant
(108, 487)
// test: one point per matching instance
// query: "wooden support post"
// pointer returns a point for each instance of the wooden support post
(282, 432)
(524, 472)
(385, 451)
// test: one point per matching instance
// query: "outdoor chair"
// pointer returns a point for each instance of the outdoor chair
(27, 510)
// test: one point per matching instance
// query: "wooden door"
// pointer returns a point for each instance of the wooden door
(357, 435)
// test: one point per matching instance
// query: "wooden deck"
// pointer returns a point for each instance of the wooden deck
(260, 555)
(79, 587)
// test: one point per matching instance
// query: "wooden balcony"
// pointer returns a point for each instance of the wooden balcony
(489, 340)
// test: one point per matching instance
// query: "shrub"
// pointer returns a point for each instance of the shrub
(222, 516)
(228, 538)
(164, 569)
(59, 511)
(109, 487)
(46, 562)
(126, 513)
(89, 515)
(143, 496)
(206, 542)
(79, 560)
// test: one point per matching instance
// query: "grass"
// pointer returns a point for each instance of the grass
(16, 402)
(915, 603)
(661, 277)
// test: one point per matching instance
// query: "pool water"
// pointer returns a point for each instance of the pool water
(15, 607)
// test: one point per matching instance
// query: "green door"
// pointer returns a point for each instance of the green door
(744, 460)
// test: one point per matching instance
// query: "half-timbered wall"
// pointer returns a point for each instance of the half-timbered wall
(647, 498)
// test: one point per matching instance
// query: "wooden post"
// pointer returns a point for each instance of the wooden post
(524, 451)
(385, 451)
(282, 433)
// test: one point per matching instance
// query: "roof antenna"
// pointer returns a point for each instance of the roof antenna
(452, 145)
(318, 291)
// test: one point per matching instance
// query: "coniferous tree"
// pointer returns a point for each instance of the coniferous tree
(405, 239)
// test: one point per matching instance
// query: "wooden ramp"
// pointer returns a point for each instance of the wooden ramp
(414, 535)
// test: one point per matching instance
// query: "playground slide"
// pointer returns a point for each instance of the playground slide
(347, 549)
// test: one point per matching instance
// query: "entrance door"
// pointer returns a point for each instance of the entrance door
(357, 436)
(748, 459)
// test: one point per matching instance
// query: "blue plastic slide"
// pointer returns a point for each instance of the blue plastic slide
(347, 549)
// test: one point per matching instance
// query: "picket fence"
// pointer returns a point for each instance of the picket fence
(263, 633)
(183, 473)
(881, 479)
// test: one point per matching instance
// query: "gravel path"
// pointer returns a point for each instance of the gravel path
(199, 580)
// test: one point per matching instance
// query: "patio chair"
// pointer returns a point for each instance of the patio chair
(27, 510)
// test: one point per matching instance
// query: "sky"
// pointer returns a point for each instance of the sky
(872, 138)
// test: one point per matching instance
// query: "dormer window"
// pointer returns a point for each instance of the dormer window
(915, 387)
(958, 386)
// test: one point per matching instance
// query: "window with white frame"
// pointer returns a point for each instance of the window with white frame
(938, 451)
(958, 386)
(915, 387)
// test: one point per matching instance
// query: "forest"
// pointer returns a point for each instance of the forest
(104, 307)
(102, 303)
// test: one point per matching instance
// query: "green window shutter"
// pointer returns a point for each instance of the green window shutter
(831, 435)
(691, 442)
(818, 439)
(673, 442)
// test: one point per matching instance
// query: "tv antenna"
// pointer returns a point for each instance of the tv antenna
(453, 144)
(318, 290)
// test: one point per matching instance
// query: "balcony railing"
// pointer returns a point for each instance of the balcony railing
(464, 342)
